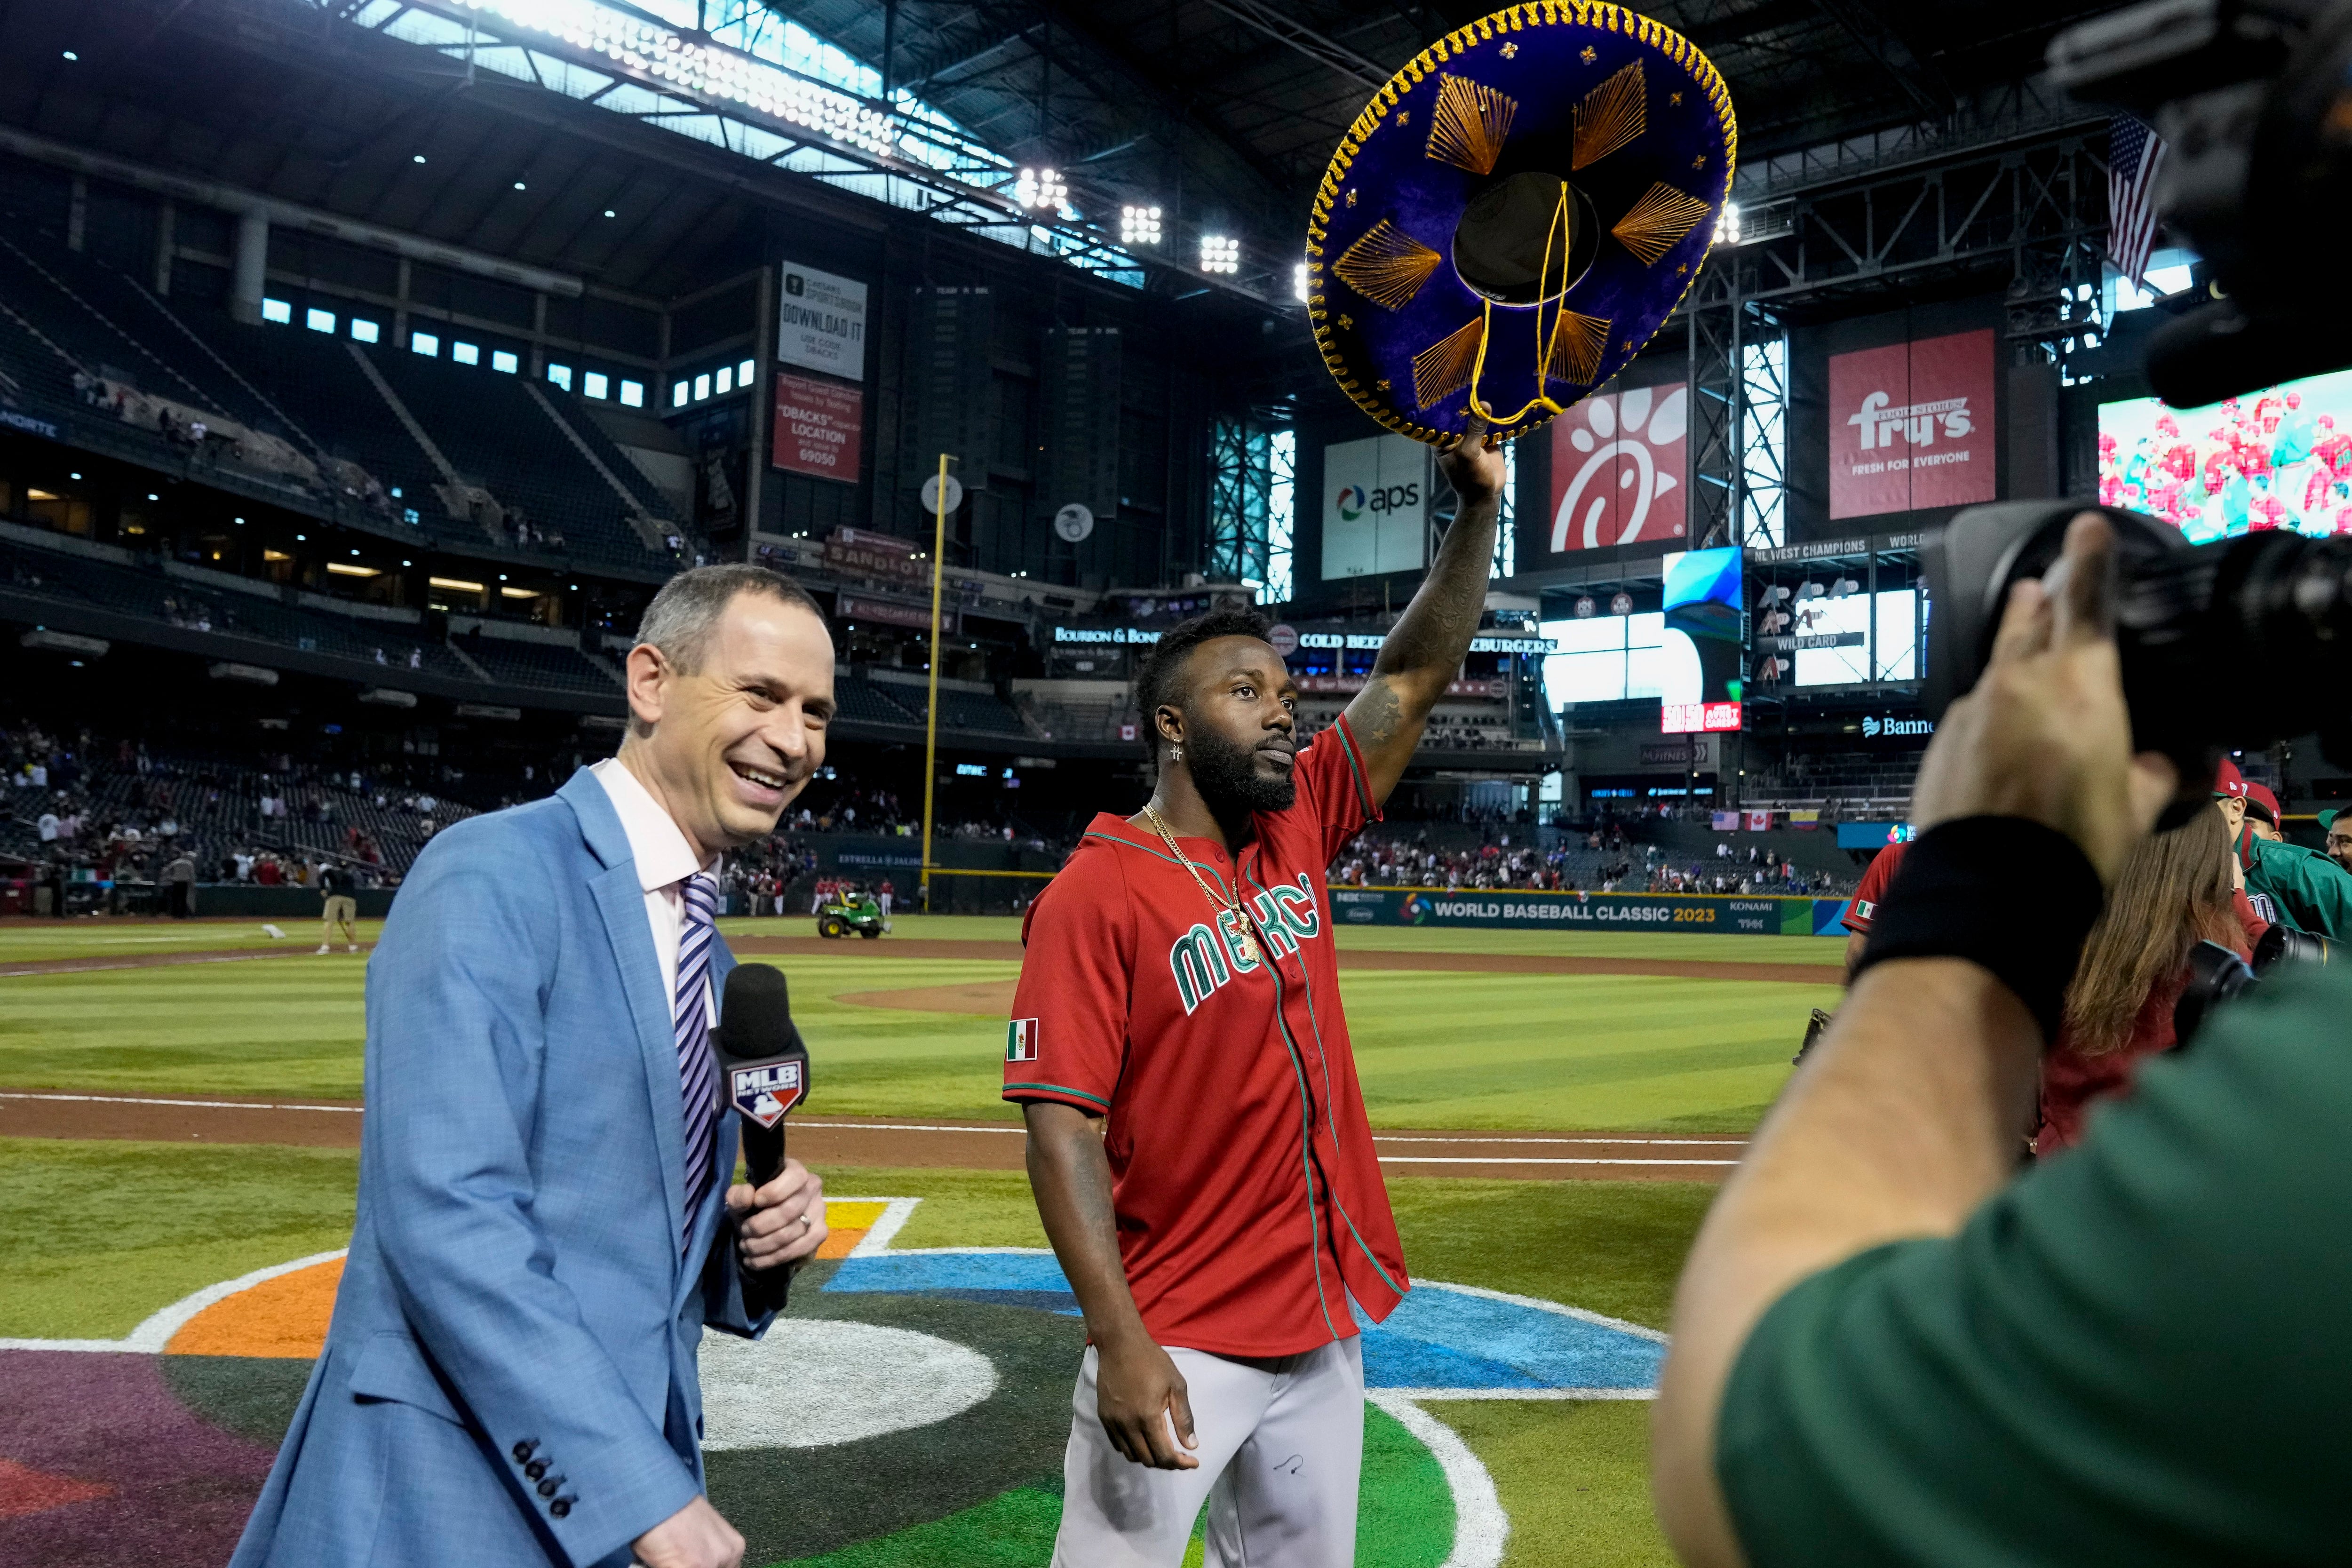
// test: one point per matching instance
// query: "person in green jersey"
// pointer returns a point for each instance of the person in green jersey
(1890, 1346)
(2285, 881)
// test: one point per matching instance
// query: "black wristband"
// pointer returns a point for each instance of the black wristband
(1962, 892)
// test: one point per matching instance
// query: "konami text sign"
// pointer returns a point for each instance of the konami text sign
(1692, 718)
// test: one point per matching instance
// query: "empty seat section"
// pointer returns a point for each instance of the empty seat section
(490, 429)
(542, 666)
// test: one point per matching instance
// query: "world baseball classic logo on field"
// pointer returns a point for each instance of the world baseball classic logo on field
(1020, 1040)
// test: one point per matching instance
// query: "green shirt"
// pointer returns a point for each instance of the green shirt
(2138, 1353)
(2312, 891)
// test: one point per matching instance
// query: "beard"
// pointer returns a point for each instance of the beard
(1227, 777)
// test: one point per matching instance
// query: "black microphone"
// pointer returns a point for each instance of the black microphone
(763, 1065)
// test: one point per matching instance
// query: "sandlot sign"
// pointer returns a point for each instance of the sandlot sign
(1714, 914)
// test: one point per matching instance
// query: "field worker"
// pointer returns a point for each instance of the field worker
(2337, 826)
(340, 909)
(2284, 883)
(1197, 1139)
(544, 1224)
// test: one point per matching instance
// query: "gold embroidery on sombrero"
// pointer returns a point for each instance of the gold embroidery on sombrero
(1467, 127)
(1444, 367)
(1612, 115)
(1576, 348)
(1658, 222)
(1387, 265)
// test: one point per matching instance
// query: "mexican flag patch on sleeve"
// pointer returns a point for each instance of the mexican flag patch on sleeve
(1020, 1040)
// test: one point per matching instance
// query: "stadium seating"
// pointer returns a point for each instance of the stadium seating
(294, 406)
(539, 666)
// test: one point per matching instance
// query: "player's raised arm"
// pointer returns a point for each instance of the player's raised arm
(1423, 651)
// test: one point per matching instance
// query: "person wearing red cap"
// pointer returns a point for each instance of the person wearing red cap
(2284, 883)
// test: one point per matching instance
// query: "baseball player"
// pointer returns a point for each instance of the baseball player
(1867, 895)
(1197, 1139)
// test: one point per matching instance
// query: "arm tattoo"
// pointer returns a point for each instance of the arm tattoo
(1434, 632)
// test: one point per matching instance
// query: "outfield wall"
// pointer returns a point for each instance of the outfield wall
(1712, 913)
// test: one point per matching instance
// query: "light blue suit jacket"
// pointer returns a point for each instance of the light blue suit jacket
(509, 1377)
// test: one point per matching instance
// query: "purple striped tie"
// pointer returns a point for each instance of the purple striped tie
(697, 1069)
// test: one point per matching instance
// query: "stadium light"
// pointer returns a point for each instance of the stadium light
(1299, 282)
(1041, 190)
(1727, 227)
(1138, 225)
(1219, 254)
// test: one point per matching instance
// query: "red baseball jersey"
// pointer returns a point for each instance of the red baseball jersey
(1872, 888)
(1250, 1203)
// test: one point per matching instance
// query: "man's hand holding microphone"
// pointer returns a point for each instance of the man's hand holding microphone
(778, 1214)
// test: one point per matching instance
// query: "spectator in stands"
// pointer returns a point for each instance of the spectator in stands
(2174, 891)
(49, 826)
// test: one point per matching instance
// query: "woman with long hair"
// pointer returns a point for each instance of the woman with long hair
(2177, 890)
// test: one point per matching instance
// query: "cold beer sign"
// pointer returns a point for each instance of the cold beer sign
(1911, 425)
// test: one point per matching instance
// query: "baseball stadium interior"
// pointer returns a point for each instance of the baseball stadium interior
(366, 366)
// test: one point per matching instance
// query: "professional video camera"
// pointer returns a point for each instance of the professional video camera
(2217, 975)
(2244, 642)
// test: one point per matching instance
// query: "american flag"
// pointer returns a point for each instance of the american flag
(2135, 154)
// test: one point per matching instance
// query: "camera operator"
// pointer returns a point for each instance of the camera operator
(1886, 1350)
(2285, 881)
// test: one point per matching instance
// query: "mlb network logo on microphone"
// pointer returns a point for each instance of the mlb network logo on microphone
(764, 1091)
(1020, 1040)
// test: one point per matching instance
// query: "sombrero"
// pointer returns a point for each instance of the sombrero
(1513, 215)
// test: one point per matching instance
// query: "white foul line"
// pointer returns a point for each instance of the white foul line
(1522, 1159)
(199, 1104)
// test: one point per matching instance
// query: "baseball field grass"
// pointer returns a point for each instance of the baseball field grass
(1436, 1050)
(95, 1236)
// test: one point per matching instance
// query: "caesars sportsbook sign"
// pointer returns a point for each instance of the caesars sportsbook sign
(1911, 425)
(1498, 909)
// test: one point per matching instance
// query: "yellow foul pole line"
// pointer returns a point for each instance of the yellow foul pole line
(931, 711)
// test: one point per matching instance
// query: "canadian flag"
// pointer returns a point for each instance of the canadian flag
(1020, 1040)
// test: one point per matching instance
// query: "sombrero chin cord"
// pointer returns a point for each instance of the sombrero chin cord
(1560, 222)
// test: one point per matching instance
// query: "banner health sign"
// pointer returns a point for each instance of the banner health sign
(1911, 425)
(1711, 913)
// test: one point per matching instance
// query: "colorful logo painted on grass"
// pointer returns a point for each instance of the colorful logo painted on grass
(912, 1409)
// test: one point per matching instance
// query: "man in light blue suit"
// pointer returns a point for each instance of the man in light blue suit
(545, 1226)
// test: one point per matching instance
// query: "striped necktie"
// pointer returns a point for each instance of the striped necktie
(697, 1069)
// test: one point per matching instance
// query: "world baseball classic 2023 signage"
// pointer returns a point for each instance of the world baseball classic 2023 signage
(1911, 425)
(1713, 914)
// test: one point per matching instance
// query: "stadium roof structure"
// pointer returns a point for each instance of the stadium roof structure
(631, 142)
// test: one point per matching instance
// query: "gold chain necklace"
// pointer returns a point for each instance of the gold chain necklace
(1232, 917)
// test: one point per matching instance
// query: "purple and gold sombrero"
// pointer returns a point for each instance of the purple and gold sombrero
(1514, 215)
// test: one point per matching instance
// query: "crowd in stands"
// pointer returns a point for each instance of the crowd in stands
(112, 813)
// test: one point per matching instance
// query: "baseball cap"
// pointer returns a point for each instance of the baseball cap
(2327, 818)
(2228, 781)
(2262, 803)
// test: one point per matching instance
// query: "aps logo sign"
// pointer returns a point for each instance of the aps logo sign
(1354, 501)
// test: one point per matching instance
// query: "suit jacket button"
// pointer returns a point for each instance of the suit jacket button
(550, 1485)
(522, 1450)
(535, 1469)
(560, 1506)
